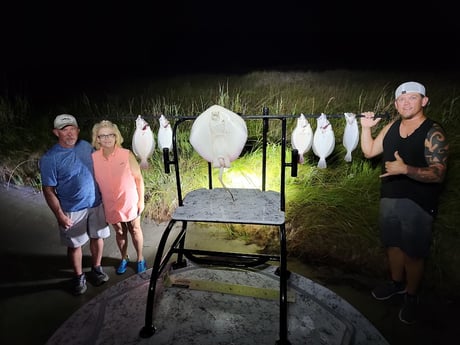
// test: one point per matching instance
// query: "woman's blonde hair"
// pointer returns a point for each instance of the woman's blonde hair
(106, 124)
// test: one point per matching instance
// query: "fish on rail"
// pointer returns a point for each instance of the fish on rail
(165, 134)
(350, 135)
(143, 142)
(302, 137)
(323, 140)
(219, 136)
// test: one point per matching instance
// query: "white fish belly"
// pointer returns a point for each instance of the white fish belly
(323, 145)
(143, 145)
(165, 139)
(218, 135)
(302, 139)
(350, 139)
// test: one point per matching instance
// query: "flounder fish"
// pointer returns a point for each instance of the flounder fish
(143, 142)
(323, 140)
(165, 134)
(302, 137)
(350, 135)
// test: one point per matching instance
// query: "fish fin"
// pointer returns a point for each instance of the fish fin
(348, 157)
(322, 163)
(144, 164)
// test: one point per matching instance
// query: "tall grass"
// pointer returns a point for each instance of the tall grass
(331, 213)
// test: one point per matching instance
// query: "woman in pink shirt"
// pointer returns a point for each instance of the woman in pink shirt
(120, 180)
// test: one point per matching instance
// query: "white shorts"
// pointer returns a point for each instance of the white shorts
(87, 223)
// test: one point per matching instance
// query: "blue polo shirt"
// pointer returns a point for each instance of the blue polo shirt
(71, 172)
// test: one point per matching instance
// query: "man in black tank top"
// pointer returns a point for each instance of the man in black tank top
(414, 149)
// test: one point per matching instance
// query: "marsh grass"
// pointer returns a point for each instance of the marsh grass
(331, 213)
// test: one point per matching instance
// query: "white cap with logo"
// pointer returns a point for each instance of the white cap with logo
(64, 120)
(410, 86)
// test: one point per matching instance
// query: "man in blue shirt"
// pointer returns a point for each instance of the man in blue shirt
(71, 192)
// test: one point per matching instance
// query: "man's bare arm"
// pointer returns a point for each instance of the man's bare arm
(436, 154)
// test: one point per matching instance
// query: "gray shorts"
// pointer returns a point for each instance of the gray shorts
(87, 223)
(404, 224)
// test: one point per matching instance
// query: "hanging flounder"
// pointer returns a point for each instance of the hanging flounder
(219, 136)
(165, 134)
(143, 142)
(350, 135)
(302, 137)
(323, 140)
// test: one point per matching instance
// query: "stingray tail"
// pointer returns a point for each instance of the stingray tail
(221, 171)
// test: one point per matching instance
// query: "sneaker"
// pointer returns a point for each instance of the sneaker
(100, 277)
(408, 312)
(141, 266)
(79, 284)
(388, 290)
(123, 266)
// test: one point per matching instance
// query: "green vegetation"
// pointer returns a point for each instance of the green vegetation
(331, 213)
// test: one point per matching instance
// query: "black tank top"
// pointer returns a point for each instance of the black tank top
(412, 151)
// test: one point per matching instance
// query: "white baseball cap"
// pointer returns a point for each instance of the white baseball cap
(64, 120)
(410, 86)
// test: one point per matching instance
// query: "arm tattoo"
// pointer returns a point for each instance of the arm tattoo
(436, 154)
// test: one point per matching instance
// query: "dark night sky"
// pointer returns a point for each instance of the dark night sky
(80, 43)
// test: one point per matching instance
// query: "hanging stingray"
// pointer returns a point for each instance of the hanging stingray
(165, 134)
(219, 136)
(302, 137)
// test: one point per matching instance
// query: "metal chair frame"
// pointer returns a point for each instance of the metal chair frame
(163, 257)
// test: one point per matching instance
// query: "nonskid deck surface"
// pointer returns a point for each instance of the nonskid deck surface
(209, 305)
(231, 205)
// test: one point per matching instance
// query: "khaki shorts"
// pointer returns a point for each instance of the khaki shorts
(87, 223)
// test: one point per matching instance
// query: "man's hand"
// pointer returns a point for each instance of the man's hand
(368, 120)
(396, 167)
